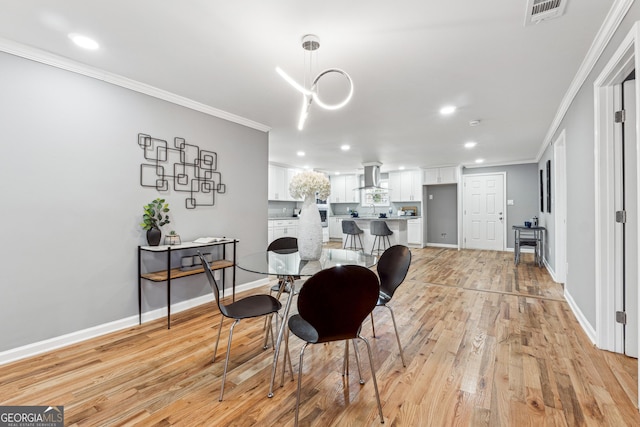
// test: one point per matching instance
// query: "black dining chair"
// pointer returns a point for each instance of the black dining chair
(283, 245)
(332, 305)
(245, 308)
(392, 267)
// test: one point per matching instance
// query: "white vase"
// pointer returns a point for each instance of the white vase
(309, 230)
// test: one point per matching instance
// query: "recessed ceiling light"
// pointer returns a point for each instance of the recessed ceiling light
(84, 41)
(300, 153)
(401, 168)
(337, 173)
(470, 144)
(479, 160)
(448, 109)
(306, 167)
(345, 147)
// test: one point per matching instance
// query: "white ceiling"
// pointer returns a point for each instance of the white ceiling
(407, 59)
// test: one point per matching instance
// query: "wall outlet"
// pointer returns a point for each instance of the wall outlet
(430, 196)
(509, 202)
(217, 275)
(443, 235)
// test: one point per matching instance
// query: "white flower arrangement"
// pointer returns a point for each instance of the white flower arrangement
(308, 183)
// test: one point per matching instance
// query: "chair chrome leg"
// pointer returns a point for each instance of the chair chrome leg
(218, 339)
(345, 361)
(373, 376)
(287, 356)
(393, 319)
(226, 360)
(373, 326)
(355, 351)
(299, 383)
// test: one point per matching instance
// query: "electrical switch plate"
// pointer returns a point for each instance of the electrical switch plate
(510, 202)
(430, 196)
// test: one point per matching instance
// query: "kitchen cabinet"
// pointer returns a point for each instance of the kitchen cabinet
(445, 175)
(279, 179)
(405, 186)
(282, 228)
(335, 228)
(343, 189)
(414, 232)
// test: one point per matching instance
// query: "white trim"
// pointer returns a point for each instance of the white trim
(611, 23)
(47, 58)
(494, 164)
(106, 328)
(552, 273)
(586, 326)
(442, 245)
(621, 63)
(560, 200)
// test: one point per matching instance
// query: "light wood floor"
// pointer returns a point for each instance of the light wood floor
(486, 344)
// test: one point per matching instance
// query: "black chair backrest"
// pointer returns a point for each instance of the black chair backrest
(393, 266)
(336, 301)
(213, 283)
(284, 245)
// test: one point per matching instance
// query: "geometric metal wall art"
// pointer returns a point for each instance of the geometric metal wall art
(190, 169)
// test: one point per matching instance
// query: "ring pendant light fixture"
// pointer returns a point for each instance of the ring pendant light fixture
(311, 43)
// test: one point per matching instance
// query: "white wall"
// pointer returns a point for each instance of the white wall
(72, 201)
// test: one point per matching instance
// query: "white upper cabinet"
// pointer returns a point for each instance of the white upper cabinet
(279, 178)
(343, 189)
(446, 175)
(405, 186)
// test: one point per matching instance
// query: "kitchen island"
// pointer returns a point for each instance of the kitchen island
(397, 224)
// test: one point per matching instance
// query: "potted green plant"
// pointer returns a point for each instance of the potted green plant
(155, 216)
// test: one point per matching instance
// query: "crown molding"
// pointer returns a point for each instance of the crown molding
(611, 23)
(62, 63)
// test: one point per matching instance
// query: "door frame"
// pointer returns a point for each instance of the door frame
(624, 60)
(504, 205)
(560, 199)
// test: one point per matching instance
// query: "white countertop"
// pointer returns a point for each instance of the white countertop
(371, 218)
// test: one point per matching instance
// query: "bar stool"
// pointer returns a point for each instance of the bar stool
(380, 229)
(351, 229)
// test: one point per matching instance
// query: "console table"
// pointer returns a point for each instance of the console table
(172, 272)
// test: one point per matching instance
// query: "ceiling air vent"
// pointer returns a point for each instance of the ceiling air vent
(541, 10)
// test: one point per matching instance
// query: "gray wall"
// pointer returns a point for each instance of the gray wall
(579, 126)
(72, 201)
(522, 188)
(442, 207)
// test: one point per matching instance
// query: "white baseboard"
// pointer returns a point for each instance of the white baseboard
(442, 245)
(74, 337)
(586, 326)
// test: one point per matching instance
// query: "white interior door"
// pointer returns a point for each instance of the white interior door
(483, 211)
(630, 206)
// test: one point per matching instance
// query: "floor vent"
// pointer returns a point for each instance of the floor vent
(542, 10)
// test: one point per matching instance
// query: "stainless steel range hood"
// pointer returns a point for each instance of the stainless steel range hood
(371, 175)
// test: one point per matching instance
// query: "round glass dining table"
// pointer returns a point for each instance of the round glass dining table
(287, 263)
